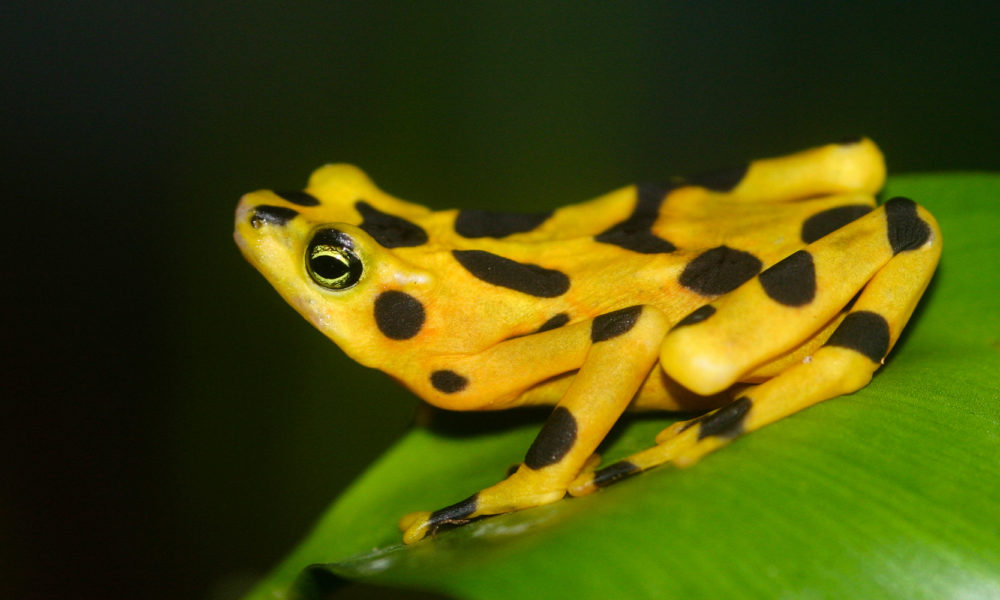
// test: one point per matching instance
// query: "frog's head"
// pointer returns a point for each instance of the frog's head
(328, 251)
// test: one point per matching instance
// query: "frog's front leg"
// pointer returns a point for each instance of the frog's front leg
(622, 347)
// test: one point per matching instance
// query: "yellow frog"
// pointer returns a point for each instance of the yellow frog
(756, 291)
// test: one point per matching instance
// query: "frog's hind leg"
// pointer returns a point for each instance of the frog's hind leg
(906, 254)
(850, 166)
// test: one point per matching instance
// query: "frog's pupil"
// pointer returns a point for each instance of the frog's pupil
(329, 267)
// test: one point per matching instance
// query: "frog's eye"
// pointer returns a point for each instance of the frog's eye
(331, 261)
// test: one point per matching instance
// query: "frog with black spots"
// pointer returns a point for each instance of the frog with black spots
(757, 291)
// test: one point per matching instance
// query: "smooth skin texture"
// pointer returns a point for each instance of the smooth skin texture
(756, 291)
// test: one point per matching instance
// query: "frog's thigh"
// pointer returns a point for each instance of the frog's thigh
(623, 349)
(844, 364)
(724, 341)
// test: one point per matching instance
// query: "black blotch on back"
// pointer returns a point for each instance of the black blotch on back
(389, 230)
(613, 324)
(723, 180)
(636, 232)
(554, 440)
(643, 242)
(719, 270)
(297, 197)
(907, 231)
(865, 332)
(448, 382)
(792, 281)
(484, 223)
(504, 272)
(850, 140)
(831, 220)
(697, 316)
(727, 421)
(399, 316)
(614, 473)
(272, 215)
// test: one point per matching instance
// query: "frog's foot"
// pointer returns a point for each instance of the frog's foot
(832, 371)
(526, 488)
(728, 339)
(420, 524)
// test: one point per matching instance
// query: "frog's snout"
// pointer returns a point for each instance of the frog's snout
(253, 221)
(245, 211)
(253, 210)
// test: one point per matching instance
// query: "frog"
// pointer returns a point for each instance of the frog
(742, 295)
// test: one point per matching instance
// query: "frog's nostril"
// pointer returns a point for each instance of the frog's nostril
(271, 215)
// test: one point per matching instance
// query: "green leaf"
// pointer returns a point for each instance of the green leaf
(891, 492)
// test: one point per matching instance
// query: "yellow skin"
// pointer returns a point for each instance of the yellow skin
(649, 297)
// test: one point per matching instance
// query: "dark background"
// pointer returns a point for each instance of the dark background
(169, 427)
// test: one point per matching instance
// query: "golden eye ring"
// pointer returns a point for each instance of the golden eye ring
(331, 261)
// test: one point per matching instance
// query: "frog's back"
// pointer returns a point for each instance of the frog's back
(761, 290)
(674, 246)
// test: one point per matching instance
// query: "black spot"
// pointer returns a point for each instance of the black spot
(448, 382)
(613, 324)
(723, 180)
(792, 281)
(452, 516)
(554, 323)
(636, 232)
(484, 223)
(272, 215)
(554, 440)
(719, 270)
(643, 242)
(398, 315)
(614, 473)
(298, 197)
(907, 231)
(727, 421)
(831, 220)
(696, 316)
(850, 141)
(389, 230)
(865, 332)
(504, 272)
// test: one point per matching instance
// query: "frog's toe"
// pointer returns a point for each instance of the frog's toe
(584, 482)
(418, 528)
(583, 485)
(408, 520)
(418, 525)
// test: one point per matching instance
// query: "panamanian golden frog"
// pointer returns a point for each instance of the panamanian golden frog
(756, 291)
